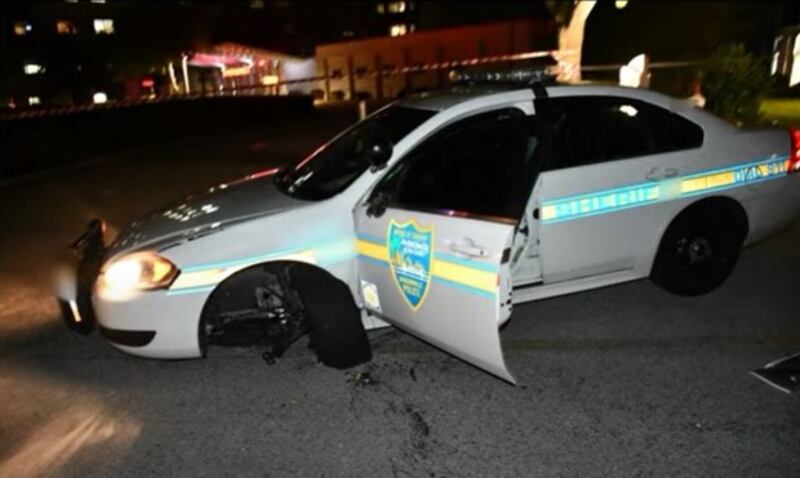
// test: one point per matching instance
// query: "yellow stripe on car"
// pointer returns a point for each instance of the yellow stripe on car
(442, 269)
(464, 275)
(709, 181)
(215, 275)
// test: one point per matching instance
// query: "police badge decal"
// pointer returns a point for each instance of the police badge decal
(410, 249)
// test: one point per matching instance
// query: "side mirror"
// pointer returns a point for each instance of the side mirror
(378, 152)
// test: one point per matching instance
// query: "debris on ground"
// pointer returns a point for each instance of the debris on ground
(783, 374)
(363, 379)
(419, 428)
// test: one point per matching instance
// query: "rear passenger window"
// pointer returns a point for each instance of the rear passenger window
(594, 129)
(673, 132)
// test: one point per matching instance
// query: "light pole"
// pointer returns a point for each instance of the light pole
(570, 42)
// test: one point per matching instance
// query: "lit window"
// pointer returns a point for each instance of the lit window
(66, 27)
(794, 76)
(99, 98)
(775, 60)
(776, 55)
(33, 68)
(34, 100)
(398, 30)
(22, 28)
(104, 26)
(397, 7)
(97, 1)
(71, 1)
(380, 8)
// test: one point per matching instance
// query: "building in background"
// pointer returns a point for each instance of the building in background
(231, 67)
(351, 66)
(57, 53)
(65, 52)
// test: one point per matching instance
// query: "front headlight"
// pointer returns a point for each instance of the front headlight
(135, 272)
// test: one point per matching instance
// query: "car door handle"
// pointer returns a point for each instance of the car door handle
(657, 174)
(468, 248)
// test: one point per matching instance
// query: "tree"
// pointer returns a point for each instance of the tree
(735, 81)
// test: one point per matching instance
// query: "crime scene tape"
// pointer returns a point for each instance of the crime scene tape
(271, 90)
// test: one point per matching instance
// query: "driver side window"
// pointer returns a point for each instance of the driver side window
(482, 166)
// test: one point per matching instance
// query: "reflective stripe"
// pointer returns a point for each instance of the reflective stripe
(484, 266)
(643, 194)
(483, 293)
(739, 175)
(197, 278)
(448, 272)
(373, 250)
(191, 290)
(706, 182)
(464, 275)
(239, 262)
(599, 203)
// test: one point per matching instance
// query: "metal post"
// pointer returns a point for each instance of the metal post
(351, 78)
(405, 80)
(327, 79)
(378, 77)
(362, 109)
(185, 65)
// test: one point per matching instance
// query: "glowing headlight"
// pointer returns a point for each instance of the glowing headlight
(135, 272)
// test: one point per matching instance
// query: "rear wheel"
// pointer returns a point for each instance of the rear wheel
(699, 249)
(337, 334)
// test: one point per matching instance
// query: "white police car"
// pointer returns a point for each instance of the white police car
(436, 214)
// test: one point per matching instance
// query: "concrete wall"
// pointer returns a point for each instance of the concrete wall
(361, 57)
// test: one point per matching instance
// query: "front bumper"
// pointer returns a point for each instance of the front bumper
(76, 276)
(151, 324)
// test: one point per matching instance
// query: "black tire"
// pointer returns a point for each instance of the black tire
(337, 334)
(699, 249)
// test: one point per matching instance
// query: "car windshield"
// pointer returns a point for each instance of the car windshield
(333, 167)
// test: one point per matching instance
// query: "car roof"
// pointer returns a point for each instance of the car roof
(441, 100)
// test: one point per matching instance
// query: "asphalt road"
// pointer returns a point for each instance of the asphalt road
(622, 381)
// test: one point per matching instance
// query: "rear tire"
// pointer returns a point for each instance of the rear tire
(699, 249)
(337, 334)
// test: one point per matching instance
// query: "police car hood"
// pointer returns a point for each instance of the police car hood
(206, 213)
